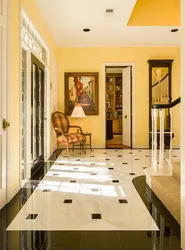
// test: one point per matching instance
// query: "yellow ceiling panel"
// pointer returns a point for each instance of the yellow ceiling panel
(155, 13)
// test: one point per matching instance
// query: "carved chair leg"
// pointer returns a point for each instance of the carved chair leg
(84, 145)
(67, 148)
(57, 155)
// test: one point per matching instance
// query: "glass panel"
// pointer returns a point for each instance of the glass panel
(32, 40)
(160, 88)
(40, 111)
(34, 113)
(160, 91)
(23, 111)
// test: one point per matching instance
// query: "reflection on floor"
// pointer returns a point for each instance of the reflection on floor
(88, 202)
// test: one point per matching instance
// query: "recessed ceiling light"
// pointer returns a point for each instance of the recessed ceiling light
(109, 10)
(174, 30)
(86, 30)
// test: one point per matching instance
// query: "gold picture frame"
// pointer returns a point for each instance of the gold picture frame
(81, 89)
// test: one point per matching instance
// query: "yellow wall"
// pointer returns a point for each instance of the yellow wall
(155, 13)
(92, 59)
(14, 23)
(82, 59)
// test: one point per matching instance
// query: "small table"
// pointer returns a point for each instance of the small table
(88, 134)
(85, 134)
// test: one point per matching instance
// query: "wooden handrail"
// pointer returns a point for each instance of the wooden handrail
(160, 80)
(166, 106)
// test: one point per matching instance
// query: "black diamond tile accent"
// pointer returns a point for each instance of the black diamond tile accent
(174, 156)
(94, 190)
(119, 155)
(46, 190)
(107, 159)
(79, 153)
(130, 153)
(137, 159)
(123, 201)
(147, 156)
(93, 173)
(96, 216)
(144, 167)
(67, 201)
(115, 181)
(125, 163)
(72, 181)
(105, 153)
(61, 164)
(110, 168)
(77, 159)
(55, 174)
(131, 173)
(31, 216)
(93, 164)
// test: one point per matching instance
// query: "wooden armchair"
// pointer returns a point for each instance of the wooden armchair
(62, 126)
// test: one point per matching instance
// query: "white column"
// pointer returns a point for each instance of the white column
(161, 151)
(171, 133)
(154, 138)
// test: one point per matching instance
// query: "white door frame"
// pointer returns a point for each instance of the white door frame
(47, 124)
(5, 102)
(121, 64)
(46, 115)
(127, 107)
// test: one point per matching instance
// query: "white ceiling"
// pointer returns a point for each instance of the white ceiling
(66, 20)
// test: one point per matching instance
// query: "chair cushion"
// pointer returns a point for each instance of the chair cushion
(71, 138)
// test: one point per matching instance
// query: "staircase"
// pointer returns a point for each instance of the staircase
(164, 175)
(158, 112)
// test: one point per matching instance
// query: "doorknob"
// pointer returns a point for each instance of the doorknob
(125, 116)
(5, 124)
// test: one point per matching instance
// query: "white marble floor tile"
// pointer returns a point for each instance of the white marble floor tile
(87, 182)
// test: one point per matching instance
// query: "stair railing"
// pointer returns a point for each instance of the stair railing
(160, 90)
(158, 110)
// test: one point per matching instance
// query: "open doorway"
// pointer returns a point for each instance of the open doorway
(118, 96)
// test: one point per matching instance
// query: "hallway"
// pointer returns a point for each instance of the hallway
(97, 201)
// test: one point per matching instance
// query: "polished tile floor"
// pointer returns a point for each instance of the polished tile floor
(97, 201)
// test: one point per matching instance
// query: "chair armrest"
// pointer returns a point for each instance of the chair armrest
(59, 131)
(75, 126)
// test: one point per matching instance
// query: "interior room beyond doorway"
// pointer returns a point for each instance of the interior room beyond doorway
(118, 82)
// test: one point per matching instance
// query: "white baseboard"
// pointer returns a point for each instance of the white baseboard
(176, 146)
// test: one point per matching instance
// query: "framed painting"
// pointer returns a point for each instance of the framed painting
(81, 89)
